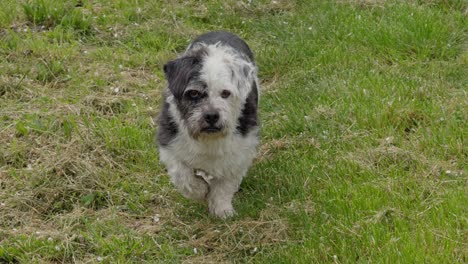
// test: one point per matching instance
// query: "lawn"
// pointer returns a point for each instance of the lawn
(363, 109)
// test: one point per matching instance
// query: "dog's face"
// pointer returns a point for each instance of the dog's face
(208, 89)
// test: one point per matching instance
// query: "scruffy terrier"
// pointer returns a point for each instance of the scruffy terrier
(208, 127)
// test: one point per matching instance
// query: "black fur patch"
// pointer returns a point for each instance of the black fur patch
(167, 127)
(181, 71)
(248, 118)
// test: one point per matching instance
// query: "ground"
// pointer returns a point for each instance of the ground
(363, 108)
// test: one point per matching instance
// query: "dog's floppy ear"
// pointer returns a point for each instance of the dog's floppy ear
(243, 74)
(169, 69)
(179, 72)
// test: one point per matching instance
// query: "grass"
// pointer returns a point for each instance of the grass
(363, 110)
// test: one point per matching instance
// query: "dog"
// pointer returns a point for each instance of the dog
(208, 124)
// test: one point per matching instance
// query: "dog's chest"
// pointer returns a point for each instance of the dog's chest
(218, 156)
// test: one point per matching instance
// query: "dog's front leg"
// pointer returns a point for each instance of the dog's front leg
(220, 197)
(187, 183)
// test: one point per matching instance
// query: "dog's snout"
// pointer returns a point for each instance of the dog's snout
(211, 117)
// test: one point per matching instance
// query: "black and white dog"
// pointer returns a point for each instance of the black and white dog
(208, 127)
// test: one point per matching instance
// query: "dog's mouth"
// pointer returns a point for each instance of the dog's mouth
(211, 130)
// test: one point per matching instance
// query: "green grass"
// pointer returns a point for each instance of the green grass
(363, 111)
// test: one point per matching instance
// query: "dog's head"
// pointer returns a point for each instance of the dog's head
(208, 87)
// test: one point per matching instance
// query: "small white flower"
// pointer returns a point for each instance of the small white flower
(448, 171)
(57, 248)
(195, 251)
(99, 259)
(50, 239)
(156, 218)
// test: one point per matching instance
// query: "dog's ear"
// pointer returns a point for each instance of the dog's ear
(179, 72)
(247, 70)
(243, 74)
(170, 69)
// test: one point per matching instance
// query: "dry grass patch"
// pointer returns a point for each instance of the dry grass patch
(243, 237)
(274, 7)
(269, 148)
(386, 156)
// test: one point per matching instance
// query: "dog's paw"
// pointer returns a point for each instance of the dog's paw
(222, 211)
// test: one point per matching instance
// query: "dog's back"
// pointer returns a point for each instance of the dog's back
(224, 38)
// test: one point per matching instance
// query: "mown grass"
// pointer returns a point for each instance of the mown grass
(363, 111)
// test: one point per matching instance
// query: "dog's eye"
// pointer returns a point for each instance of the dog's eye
(193, 94)
(225, 94)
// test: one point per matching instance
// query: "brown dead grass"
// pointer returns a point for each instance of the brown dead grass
(273, 7)
(220, 242)
(386, 155)
(365, 3)
(268, 149)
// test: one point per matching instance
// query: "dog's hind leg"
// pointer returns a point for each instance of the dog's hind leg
(186, 182)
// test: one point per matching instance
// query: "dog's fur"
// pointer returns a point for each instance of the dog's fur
(208, 126)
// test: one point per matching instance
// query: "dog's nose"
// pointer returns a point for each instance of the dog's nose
(211, 117)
